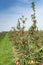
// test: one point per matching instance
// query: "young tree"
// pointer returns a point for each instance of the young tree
(26, 44)
(34, 46)
(18, 25)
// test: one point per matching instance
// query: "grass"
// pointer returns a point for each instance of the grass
(6, 54)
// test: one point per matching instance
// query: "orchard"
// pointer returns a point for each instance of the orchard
(27, 45)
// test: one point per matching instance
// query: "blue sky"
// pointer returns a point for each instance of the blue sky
(11, 10)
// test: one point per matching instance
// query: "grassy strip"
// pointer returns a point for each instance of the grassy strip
(6, 54)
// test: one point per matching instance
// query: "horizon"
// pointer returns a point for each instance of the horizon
(11, 10)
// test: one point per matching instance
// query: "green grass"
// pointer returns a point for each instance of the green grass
(6, 54)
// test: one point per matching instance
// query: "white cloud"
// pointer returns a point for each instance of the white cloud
(9, 19)
(23, 0)
(39, 15)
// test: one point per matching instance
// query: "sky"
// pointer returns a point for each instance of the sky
(11, 10)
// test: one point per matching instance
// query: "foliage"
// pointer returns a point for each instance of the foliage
(28, 44)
